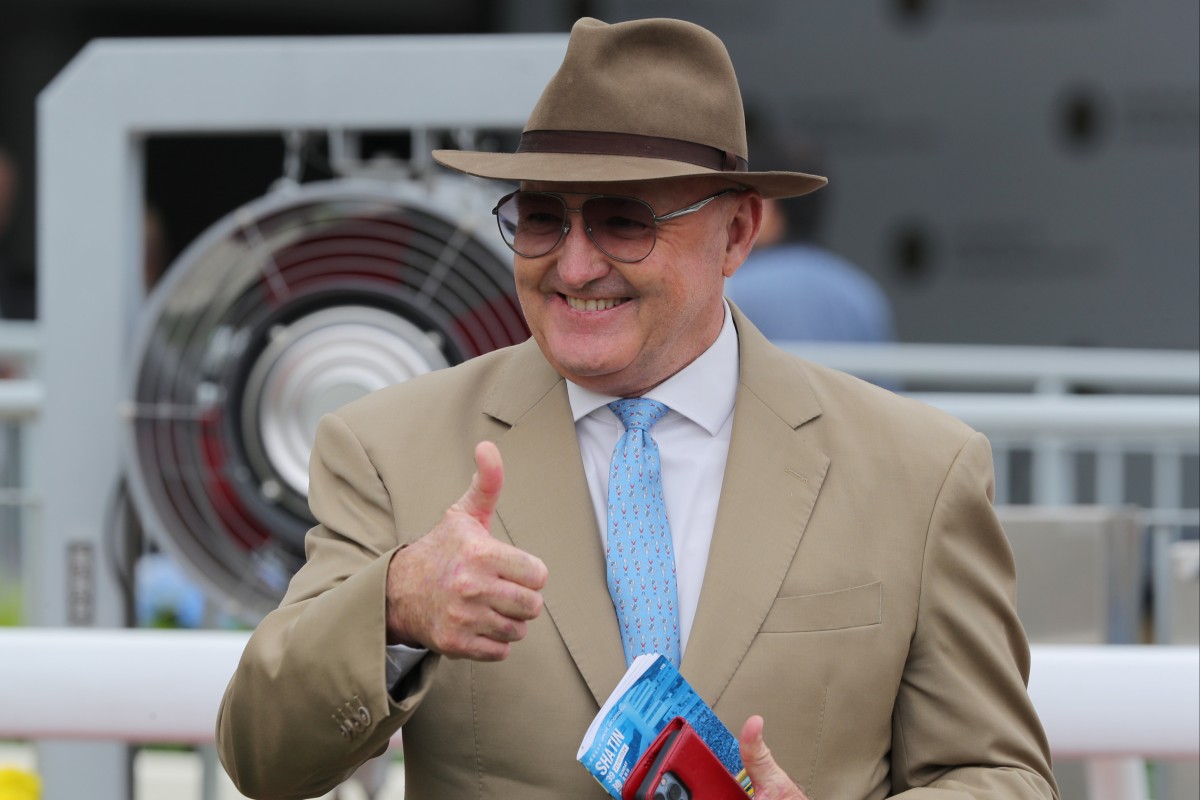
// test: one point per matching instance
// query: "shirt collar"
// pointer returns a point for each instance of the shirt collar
(703, 391)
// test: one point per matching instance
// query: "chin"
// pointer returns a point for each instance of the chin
(594, 360)
(586, 374)
(589, 374)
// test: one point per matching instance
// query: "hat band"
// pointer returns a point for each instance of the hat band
(607, 143)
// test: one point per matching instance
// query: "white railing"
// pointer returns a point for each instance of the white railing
(125, 685)
(1053, 370)
(21, 398)
(1131, 419)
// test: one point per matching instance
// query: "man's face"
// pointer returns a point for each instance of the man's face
(622, 329)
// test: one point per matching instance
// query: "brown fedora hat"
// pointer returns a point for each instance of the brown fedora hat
(641, 100)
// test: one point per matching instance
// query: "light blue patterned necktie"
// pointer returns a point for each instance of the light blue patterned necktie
(641, 560)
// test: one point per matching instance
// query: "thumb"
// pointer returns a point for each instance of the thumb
(480, 498)
(769, 779)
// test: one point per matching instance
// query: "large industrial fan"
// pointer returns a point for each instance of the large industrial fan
(285, 309)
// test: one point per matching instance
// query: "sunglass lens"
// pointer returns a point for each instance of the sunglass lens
(531, 223)
(620, 226)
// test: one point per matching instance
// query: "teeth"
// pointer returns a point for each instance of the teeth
(591, 304)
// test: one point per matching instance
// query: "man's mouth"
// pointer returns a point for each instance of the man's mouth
(594, 304)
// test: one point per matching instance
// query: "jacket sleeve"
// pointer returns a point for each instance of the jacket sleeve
(963, 724)
(308, 702)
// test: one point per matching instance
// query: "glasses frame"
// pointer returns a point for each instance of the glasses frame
(566, 228)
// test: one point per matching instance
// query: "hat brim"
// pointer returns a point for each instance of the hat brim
(588, 168)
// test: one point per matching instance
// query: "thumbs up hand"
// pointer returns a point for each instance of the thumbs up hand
(456, 590)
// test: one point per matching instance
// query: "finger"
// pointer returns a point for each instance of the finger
(755, 754)
(523, 569)
(479, 501)
(503, 629)
(769, 779)
(480, 648)
(517, 602)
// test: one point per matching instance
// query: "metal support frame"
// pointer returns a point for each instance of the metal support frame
(92, 121)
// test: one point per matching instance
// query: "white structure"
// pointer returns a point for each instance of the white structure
(92, 119)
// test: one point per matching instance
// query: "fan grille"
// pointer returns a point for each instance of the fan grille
(283, 310)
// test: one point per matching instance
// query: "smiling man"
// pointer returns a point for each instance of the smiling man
(824, 557)
(621, 323)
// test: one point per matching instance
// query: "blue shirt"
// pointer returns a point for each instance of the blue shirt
(799, 292)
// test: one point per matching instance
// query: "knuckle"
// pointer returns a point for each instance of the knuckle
(450, 517)
(463, 584)
(477, 548)
(458, 617)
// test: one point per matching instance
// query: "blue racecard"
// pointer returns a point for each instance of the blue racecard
(651, 695)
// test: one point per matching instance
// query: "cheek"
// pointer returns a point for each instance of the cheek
(523, 272)
(527, 278)
(529, 298)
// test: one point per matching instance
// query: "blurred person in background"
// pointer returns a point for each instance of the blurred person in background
(8, 189)
(791, 286)
(16, 290)
(8, 199)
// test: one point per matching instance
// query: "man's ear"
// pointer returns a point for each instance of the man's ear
(744, 225)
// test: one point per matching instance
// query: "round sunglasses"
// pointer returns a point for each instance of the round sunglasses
(623, 228)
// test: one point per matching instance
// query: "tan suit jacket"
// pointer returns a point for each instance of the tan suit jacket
(859, 595)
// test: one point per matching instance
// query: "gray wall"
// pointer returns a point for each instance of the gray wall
(1012, 171)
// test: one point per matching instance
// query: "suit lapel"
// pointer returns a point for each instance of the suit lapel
(545, 508)
(771, 483)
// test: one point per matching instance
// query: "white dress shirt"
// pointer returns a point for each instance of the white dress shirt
(693, 444)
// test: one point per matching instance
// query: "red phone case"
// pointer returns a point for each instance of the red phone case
(678, 749)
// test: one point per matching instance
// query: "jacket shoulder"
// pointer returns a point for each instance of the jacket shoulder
(878, 418)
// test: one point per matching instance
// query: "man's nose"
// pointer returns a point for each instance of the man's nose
(579, 260)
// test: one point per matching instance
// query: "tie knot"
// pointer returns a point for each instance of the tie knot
(638, 412)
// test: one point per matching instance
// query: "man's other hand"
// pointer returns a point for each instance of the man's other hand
(456, 590)
(770, 781)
